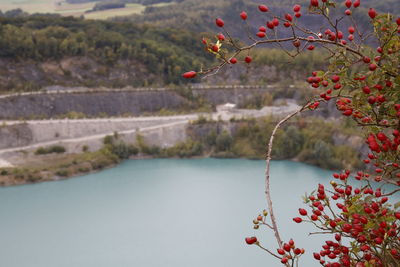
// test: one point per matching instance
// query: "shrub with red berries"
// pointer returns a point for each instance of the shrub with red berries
(364, 225)
(364, 83)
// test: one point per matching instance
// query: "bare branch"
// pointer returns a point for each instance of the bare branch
(267, 250)
(267, 172)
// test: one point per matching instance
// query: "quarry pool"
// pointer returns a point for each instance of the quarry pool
(153, 213)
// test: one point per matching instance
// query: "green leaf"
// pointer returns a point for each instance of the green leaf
(331, 4)
(368, 199)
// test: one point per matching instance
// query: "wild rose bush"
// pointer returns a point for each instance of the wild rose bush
(364, 82)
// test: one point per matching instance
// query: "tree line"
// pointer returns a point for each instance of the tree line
(165, 52)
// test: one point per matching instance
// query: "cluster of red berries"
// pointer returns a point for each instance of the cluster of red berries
(289, 251)
(334, 36)
(314, 105)
(376, 93)
(317, 82)
(334, 250)
(344, 104)
(373, 226)
(378, 98)
(386, 143)
(348, 4)
(262, 31)
(383, 146)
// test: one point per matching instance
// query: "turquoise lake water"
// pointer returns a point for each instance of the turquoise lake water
(156, 213)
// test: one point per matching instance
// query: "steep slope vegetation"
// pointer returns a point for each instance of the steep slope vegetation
(199, 16)
(159, 55)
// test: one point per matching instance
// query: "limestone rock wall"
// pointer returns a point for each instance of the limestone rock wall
(15, 135)
(116, 102)
(50, 105)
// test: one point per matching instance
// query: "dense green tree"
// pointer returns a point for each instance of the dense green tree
(224, 141)
(289, 143)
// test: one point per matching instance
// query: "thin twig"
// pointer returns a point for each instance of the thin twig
(267, 172)
(267, 250)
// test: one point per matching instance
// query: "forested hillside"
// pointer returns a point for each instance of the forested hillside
(152, 49)
(199, 16)
(164, 52)
(42, 50)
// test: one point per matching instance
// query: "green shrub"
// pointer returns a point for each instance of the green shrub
(200, 120)
(321, 155)
(289, 143)
(118, 147)
(49, 150)
(108, 140)
(57, 149)
(224, 141)
(122, 150)
(41, 151)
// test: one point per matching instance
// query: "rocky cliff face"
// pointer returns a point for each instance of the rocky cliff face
(17, 135)
(59, 101)
(235, 94)
(30, 75)
(128, 101)
(91, 103)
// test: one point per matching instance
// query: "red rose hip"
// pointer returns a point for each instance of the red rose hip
(189, 74)
(263, 8)
(251, 240)
(248, 59)
(372, 13)
(314, 3)
(219, 22)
